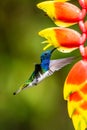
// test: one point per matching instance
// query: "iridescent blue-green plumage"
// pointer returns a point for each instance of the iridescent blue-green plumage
(46, 68)
(39, 69)
(45, 61)
(43, 66)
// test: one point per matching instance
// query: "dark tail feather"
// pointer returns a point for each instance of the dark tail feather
(20, 89)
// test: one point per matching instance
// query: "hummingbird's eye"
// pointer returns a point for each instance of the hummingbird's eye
(45, 54)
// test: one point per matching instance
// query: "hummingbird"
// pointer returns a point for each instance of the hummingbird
(45, 69)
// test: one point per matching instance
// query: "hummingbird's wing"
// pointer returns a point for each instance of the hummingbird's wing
(56, 65)
(35, 79)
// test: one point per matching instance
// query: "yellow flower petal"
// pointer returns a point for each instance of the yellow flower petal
(64, 39)
(79, 122)
(62, 13)
(63, 24)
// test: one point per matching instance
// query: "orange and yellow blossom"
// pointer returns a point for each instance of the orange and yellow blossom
(62, 13)
(75, 92)
(64, 39)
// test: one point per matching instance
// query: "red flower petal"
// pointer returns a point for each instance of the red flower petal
(84, 105)
(64, 38)
(83, 3)
(76, 112)
(62, 13)
(84, 89)
(75, 96)
(75, 92)
(67, 37)
(78, 73)
(76, 79)
(66, 12)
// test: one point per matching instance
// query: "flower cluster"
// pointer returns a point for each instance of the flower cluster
(64, 14)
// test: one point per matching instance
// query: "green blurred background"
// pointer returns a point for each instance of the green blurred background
(41, 107)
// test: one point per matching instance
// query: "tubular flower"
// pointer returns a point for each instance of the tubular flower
(65, 39)
(75, 92)
(62, 13)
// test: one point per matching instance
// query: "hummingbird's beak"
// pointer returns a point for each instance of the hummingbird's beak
(53, 50)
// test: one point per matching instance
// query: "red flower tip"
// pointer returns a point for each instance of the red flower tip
(62, 13)
(83, 4)
(64, 38)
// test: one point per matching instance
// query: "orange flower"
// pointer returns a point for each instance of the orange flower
(61, 12)
(64, 39)
(75, 92)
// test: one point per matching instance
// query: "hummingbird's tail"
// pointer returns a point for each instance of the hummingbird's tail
(24, 86)
(16, 92)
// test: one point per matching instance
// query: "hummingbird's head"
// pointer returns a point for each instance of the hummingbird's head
(47, 54)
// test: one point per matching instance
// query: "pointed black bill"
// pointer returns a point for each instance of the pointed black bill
(53, 50)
